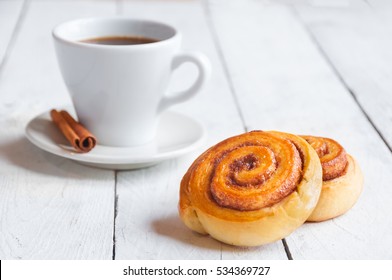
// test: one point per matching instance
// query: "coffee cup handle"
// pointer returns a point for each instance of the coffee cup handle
(204, 68)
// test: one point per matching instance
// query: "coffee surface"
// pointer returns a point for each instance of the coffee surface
(120, 40)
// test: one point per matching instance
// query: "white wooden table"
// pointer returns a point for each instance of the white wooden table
(309, 67)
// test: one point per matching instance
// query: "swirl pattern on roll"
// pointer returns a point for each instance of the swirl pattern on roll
(332, 156)
(254, 171)
(342, 179)
(251, 189)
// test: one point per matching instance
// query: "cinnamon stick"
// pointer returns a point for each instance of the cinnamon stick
(76, 134)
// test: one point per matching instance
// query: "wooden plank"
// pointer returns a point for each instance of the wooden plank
(283, 82)
(147, 224)
(9, 13)
(382, 11)
(50, 208)
(380, 4)
(358, 44)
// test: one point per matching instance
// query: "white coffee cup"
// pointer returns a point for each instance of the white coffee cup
(119, 91)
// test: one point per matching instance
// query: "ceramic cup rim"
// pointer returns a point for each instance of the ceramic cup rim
(58, 32)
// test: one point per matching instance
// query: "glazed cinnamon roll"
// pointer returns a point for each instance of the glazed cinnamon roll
(251, 189)
(342, 179)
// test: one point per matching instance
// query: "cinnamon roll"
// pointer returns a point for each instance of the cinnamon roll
(251, 189)
(342, 179)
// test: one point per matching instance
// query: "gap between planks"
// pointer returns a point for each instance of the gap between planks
(215, 39)
(15, 33)
(339, 75)
(115, 211)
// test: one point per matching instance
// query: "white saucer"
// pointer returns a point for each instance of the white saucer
(177, 134)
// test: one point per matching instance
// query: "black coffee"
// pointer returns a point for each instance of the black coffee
(120, 40)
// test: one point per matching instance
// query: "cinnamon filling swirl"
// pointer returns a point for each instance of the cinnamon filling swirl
(256, 173)
(332, 156)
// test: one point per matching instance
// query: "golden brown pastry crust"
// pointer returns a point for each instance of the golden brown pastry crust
(342, 179)
(340, 194)
(332, 156)
(251, 189)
